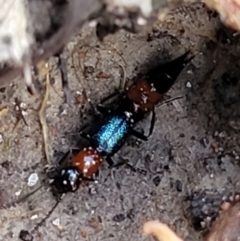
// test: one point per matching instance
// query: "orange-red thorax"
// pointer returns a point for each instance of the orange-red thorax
(87, 161)
(144, 95)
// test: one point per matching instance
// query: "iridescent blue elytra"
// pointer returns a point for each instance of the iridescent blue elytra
(111, 134)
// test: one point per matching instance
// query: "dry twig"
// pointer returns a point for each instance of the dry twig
(42, 117)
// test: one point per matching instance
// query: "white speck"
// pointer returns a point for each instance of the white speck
(177, 105)
(64, 182)
(203, 224)
(135, 107)
(224, 198)
(32, 180)
(1, 138)
(17, 193)
(64, 112)
(141, 21)
(211, 175)
(208, 219)
(222, 134)
(51, 181)
(34, 217)
(153, 89)
(128, 114)
(236, 34)
(220, 149)
(87, 206)
(56, 222)
(23, 105)
(92, 24)
(236, 157)
(144, 98)
(189, 85)
(88, 160)
(24, 113)
(190, 71)
(216, 133)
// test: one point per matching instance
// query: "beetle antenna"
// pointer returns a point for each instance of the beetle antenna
(46, 217)
(22, 199)
(26, 235)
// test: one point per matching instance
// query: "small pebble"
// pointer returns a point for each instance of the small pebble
(222, 134)
(64, 112)
(23, 105)
(119, 218)
(156, 180)
(56, 222)
(209, 219)
(216, 133)
(178, 185)
(188, 85)
(34, 217)
(24, 113)
(204, 142)
(141, 21)
(17, 193)
(92, 24)
(25, 235)
(32, 180)
(203, 224)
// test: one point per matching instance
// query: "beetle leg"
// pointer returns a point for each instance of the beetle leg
(103, 110)
(139, 135)
(109, 97)
(109, 161)
(85, 136)
(152, 123)
(88, 179)
(62, 65)
(107, 109)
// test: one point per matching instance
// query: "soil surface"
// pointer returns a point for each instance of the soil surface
(181, 174)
